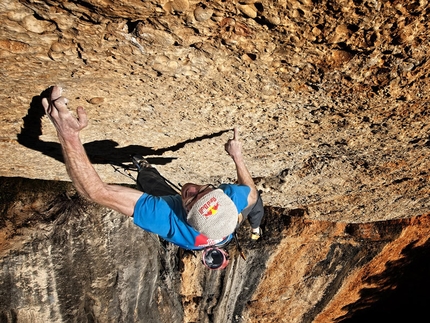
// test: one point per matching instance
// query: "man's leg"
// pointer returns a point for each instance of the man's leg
(255, 217)
(150, 181)
(256, 214)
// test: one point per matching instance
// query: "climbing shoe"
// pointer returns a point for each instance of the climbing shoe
(139, 162)
(256, 234)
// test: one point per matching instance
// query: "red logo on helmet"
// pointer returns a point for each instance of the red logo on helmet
(213, 209)
(209, 208)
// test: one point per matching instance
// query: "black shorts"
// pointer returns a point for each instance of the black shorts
(151, 182)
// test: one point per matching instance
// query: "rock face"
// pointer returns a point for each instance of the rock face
(74, 262)
(64, 259)
(331, 98)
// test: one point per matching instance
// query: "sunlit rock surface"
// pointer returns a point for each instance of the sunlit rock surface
(331, 99)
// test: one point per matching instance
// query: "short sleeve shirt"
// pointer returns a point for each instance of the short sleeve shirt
(166, 217)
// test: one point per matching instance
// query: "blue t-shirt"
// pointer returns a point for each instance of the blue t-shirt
(166, 217)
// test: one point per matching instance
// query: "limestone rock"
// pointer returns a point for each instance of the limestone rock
(203, 14)
(180, 5)
(31, 24)
(248, 10)
(331, 100)
(63, 259)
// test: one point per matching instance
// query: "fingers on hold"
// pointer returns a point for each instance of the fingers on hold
(45, 104)
(55, 93)
(236, 133)
(60, 102)
(82, 115)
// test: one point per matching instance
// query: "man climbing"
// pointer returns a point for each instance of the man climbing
(200, 216)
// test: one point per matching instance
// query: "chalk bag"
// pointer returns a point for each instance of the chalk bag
(215, 258)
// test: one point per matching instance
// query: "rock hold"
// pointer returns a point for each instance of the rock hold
(203, 14)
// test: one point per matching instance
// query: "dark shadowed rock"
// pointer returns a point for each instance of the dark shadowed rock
(64, 259)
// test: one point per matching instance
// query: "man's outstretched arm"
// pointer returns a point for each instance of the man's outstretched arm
(234, 149)
(79, 167)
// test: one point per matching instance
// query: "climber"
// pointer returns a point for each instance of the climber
(200, 216)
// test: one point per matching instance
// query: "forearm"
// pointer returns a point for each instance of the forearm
(89, 184)
(234, 149)
(244, 178)
(82, 173)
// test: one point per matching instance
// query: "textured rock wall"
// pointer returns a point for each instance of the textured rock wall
(65, 260)
(331, 98)
(68, 261)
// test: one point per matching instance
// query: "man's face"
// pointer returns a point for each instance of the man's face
(191, 193)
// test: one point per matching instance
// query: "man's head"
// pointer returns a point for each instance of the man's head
(209, 210)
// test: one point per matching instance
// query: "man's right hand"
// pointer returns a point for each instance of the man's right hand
(67, 125)
(234, 146)
(234, 149)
